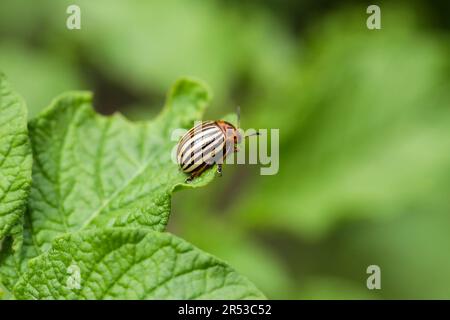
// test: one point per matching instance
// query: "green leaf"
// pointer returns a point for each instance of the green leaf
(212, 234)
(123, 263)
(14, 263)
(15, 162)
(4, 293)
(94, 171)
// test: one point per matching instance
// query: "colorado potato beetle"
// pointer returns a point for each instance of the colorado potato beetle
(206, 144)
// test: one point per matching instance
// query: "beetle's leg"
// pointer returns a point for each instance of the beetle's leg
(196, 174)
(236, 148)
(219, 169)
(193, 176)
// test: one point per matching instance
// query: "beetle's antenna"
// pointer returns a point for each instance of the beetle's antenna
(238, 114)
(252, 134)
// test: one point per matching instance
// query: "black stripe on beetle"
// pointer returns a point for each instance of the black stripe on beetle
(206, 144)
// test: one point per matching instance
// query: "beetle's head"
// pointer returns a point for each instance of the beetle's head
(231, 133)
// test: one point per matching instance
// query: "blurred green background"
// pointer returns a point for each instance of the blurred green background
(364, 119)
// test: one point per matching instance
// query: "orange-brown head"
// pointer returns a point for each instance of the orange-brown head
(230, 131)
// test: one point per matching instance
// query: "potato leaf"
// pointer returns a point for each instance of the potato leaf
(93, 171)
(123, 263)
(15, 162)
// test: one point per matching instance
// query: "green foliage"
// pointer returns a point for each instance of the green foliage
(355, 130)
(130, 264)
(15, 162)
(364, 132)
(235, 245)
(93, 172)
(363, 118)
(14, 262)
(37, 75)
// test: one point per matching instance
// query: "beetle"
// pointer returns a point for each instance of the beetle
(206, 144)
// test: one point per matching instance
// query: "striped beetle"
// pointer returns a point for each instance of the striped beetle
(206, 144)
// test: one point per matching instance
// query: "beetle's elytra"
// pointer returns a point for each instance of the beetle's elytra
(206, 144)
